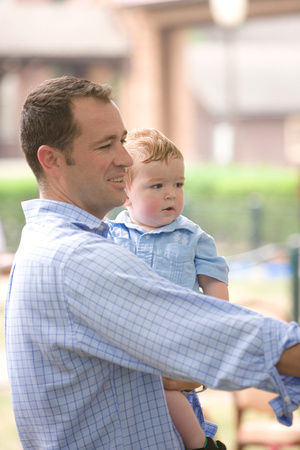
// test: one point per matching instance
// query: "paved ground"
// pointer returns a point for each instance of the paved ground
(3, 372)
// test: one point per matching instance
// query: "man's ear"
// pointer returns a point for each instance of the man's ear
(50, 159)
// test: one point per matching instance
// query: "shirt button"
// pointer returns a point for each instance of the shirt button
(287, 399)
(147, 236)
(101, 227)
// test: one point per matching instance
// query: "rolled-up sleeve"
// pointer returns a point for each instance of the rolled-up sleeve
(151, 325)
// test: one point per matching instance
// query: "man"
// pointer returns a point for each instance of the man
(90, 328)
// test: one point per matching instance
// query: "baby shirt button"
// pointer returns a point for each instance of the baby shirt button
(287, 399)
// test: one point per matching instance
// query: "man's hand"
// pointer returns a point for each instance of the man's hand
(289, 363)
(178, 385)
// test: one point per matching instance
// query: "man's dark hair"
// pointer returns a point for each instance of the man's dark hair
(47, 116)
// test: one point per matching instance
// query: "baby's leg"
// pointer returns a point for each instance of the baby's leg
(185, 420)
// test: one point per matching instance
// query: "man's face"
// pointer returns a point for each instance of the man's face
(94, 180)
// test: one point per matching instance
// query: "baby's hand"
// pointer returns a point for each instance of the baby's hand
(178, 385)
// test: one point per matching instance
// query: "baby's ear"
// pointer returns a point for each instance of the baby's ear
(128, 202)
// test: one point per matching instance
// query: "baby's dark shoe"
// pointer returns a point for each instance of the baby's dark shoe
(212, 445)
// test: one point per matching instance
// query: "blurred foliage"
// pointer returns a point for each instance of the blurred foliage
(237, 182)
(12, 192)
(242, 207)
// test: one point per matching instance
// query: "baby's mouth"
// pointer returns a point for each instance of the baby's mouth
(170, 208)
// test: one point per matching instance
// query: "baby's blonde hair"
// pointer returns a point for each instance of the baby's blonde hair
(146, 145)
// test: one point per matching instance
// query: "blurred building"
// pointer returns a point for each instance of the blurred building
(43, 39)
(225, 95)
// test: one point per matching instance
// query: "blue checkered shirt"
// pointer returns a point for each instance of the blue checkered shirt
(90, 330)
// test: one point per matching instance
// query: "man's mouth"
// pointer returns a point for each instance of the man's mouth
(117, 180)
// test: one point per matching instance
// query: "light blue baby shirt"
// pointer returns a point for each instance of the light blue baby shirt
(178, 251)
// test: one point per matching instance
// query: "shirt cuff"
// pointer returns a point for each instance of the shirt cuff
(288, 388)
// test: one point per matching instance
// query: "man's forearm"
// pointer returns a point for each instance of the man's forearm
(289, 363)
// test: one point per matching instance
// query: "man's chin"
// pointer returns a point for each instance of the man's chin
(119, 200)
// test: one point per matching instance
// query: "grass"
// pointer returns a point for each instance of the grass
(2, 328)
(8, 433)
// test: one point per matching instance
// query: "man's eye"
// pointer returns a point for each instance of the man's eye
(104, 147)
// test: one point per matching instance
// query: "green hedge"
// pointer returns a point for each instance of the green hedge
(239, 206)
(12, 192)
(237, 182)
(244, 207)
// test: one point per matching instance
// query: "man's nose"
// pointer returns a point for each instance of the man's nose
(123, 158)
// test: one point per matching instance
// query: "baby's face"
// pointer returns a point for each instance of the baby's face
(156, 197)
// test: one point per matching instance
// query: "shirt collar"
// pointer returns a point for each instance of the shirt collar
(37, 209)
(181, 222)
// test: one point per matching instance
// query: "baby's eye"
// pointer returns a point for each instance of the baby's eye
(156, 186)
(179, 185)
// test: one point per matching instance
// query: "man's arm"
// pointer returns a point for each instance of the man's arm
(289, 363)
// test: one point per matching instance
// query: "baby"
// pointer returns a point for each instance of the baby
(153, 228)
